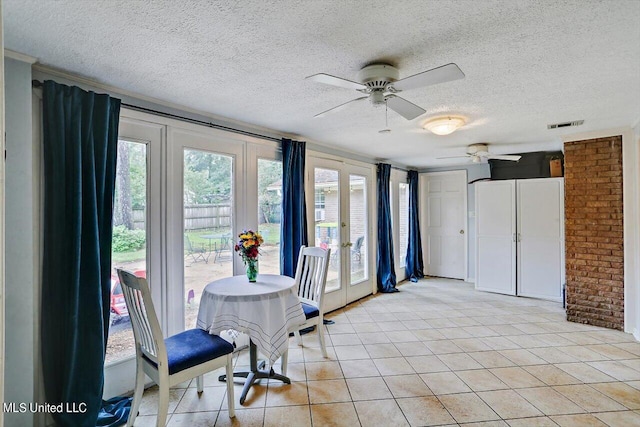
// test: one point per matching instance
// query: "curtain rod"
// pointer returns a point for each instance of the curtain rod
(399, 168)
(38, 84)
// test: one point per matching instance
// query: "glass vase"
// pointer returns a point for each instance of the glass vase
(252, 269)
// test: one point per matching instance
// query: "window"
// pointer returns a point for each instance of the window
(399, 201)
(403, 222)
(319, 198)
(129, 241)
(269, 210)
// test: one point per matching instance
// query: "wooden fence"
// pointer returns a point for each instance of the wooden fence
(196, 217)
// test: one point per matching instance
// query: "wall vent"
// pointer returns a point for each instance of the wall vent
(565, 124)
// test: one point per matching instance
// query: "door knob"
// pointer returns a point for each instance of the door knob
(461, 231)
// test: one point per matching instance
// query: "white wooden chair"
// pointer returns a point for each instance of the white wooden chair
(181, 357)
(311, 279)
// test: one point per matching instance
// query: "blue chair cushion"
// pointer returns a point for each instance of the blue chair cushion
(193, 347)
(310, 311)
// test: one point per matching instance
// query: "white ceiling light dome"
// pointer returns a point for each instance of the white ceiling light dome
(444, 125)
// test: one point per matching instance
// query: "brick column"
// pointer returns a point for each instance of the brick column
(594, 233)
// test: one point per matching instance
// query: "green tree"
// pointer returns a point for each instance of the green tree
(123, 213)
(207, 177)
(138, 175)
(269, 201)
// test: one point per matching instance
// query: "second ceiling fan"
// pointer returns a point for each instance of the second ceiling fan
(479, 152)
(380, 83)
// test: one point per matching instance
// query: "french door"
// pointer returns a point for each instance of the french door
(136, 239)
(183, 193)
(206, 208)
(338, 207)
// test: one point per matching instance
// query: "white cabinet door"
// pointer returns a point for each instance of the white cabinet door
(540, 238)
(495, 236)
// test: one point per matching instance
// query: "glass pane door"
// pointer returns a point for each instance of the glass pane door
(207, 224)
(341, 199)
(135, 240)
(327, 220)
(358, 224)
(129, 241)
(357, 251)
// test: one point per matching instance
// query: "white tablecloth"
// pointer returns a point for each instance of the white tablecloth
(265, 310)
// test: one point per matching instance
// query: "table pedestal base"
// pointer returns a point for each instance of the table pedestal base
(255, 374)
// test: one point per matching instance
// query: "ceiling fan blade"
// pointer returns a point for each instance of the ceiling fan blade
(504, 157)
(455, 157)
(445, 73)
(336, 81)
(403, 107)
(340, 107)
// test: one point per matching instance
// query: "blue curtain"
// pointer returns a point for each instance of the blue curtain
(293, 222)
(414, 265)
(80, 146)
(385, 266)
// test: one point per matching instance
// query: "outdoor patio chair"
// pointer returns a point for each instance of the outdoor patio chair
(181, 357)
(356, 250)
(226, 244)
(196, 253)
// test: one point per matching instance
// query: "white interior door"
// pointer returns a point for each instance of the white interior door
(496, 236)
(338, 205)
(445, 230)
(540, 238)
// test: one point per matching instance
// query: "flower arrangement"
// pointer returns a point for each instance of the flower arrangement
(247, 248)
(248, 245)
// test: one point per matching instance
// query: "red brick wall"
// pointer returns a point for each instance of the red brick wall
(593, 229)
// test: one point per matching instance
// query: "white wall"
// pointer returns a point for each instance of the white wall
(20, 259)
(474, 171)
(2, 220)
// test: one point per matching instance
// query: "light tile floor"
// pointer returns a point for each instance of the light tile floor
(436, 353)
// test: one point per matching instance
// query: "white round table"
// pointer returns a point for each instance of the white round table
(265, 310)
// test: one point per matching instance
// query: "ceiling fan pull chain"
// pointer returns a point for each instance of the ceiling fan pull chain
(386, 116)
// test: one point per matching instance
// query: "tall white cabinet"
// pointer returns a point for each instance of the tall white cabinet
(520, 237)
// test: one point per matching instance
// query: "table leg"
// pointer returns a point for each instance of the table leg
(255, 373)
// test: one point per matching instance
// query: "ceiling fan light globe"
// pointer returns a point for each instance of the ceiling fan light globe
(377, 98)
(444, 125)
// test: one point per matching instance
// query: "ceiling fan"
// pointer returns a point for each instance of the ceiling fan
(477, 152)
(380, 83)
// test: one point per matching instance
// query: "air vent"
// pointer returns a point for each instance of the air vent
(565, 124)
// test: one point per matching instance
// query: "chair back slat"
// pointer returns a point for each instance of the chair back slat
(148, 345)
(311, 274)
(146, 328)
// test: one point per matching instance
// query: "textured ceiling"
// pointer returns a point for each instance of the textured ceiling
(527, 64)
